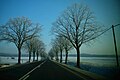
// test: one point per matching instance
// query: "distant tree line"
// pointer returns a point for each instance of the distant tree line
(22, 32)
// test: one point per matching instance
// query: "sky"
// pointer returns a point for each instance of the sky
(45, 12)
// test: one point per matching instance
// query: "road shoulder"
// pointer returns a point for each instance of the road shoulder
(83, 73)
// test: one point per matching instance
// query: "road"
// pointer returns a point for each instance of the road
(15, 72)
(51, 71)
(43, 70)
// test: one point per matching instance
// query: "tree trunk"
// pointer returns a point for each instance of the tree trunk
(66, 56)
(29, 56)
(60, 56)
(19, 55)
(37, 56)
(57, 59)
(33, 56)
(51, 58)
(78, 57)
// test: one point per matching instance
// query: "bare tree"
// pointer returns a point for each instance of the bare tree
(51, 54)
(67, 46)
(18, 30)
(43, 55)
(34, 43)
(59, 42)
(28, 46)
(55, 49)
(34, 46)
(40, 49)
(78, 25)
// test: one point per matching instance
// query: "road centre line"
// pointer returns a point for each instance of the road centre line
(27, 74)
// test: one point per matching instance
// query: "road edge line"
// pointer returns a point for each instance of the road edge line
(70, 70)
(88, 74)
(27, 74)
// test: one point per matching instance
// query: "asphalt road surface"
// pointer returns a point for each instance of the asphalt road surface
(15, 72)
(51, 71)
(42, 70)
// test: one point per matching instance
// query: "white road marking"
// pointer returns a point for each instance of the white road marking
(27, 75)
(70, 71)
(73, 72)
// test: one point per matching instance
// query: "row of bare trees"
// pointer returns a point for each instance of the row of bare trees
(20, 31)
(77, 25)
(59, 45)
(34, 47)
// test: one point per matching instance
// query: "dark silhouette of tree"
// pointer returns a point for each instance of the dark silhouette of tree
(78, 25)
(67, 46)
(62, 44)
(51, 54)
(59, 42)
(18, 30)
(28, 47)
(43, 55)
(55, 49)
(40, 49)
(36, 47)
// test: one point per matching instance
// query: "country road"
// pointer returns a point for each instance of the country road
(15, 72)
(51, 71)
(42, 70)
